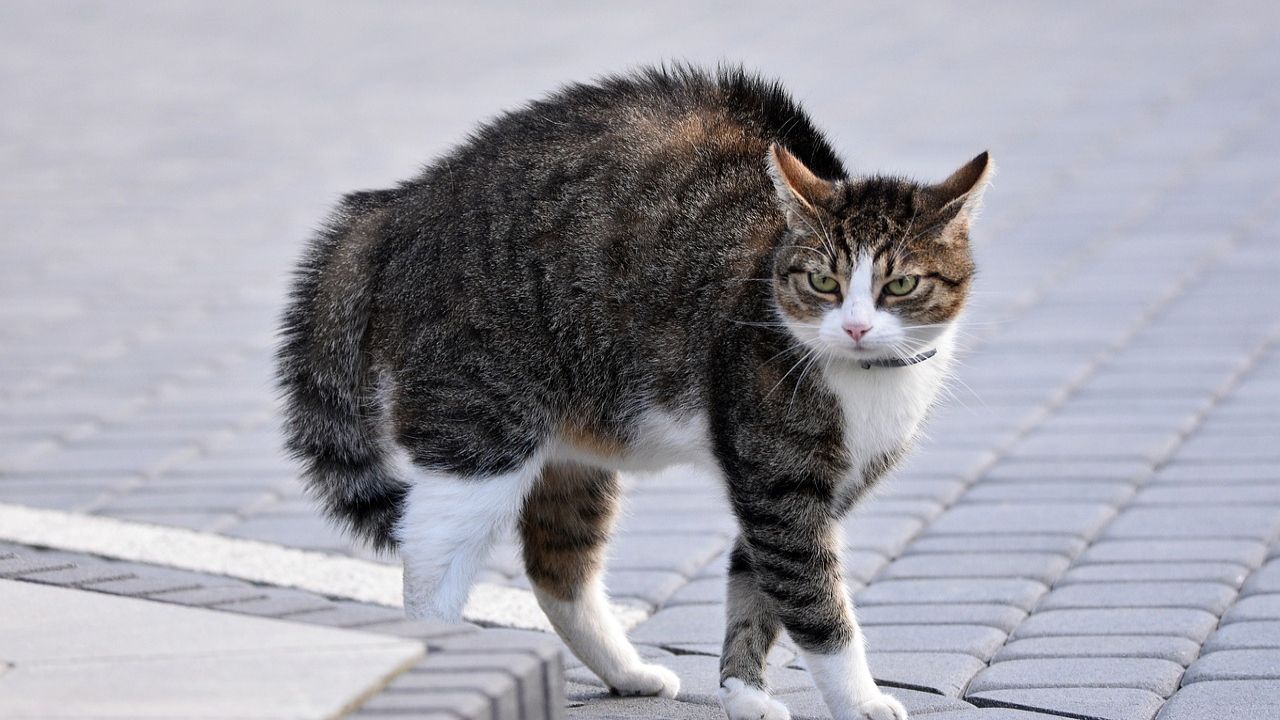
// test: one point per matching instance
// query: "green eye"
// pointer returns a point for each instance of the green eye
(901, 286)
(822, 282)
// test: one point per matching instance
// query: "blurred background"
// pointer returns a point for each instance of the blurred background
(162, 164)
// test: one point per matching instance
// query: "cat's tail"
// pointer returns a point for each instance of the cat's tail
(332, 418)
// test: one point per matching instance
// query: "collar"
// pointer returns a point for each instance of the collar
(896, 362)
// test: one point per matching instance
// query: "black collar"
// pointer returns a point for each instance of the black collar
(895, 362)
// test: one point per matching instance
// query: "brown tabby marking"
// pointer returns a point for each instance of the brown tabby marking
(564, 527)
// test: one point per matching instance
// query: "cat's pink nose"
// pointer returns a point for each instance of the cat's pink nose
(856, 330)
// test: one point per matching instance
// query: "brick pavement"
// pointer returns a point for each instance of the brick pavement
(1091, 528)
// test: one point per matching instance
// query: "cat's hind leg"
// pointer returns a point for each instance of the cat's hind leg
(564, 529)
(446, 530)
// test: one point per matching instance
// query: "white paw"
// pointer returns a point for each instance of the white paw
(883, 707)
(744, 702)
(646, 680)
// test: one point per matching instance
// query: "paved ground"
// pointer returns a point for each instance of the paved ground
(1091, 529)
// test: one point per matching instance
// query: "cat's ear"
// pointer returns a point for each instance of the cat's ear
(959, 197)
(798, 188)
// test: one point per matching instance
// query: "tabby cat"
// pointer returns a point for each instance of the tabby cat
(670, 266)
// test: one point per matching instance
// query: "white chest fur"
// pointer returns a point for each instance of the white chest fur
(883, 407)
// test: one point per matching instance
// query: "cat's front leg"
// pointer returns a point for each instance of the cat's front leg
(751, 628)
(794, 546)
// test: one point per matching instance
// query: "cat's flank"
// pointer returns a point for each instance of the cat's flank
(667, 267)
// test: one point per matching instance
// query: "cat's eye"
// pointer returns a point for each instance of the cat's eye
(823, 282)
(901, 286)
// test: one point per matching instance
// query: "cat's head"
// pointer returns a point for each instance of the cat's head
(874, 267)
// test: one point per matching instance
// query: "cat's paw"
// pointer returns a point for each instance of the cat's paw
(882, 707)
(744, 702)
(646, 680)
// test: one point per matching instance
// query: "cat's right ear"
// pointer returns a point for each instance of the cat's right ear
(798, 189)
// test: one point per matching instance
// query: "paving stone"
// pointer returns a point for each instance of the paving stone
(598, 704)
(348, 615)
(1254, 607)
(979, 641)
(1148, 447)
(280, 604)
(1002, 617)
(651, 586)
(1064, 545)
(941, 491)
(1164, 647)
(1019, 593)
(1253, 635)
(992, 714)
(682, 625)
(642, 552)
(1044, 567)
(1249, 523)
(78, 575)
(700, 678)
(1265, 580)
(863, 565)
(1229, 574)
(1215, 475)
(1192, 624)
(1249, 553)
(1091, 703)
(1111, 493)
(212, 596)
(780, 654)
(1252, 495)
(1235, 665)
(1158, 676)
(808, 704)
(1074, 472)
(1236, 699)
(945, 673)
(884, 535)
(700, 592)
(988, 518)
(141, 586)
(1212, 597)
(20, 566)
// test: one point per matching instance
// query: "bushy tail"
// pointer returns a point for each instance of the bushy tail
(331, 418)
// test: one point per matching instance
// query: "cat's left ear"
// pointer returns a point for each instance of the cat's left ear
(799, 190)
(959, 197)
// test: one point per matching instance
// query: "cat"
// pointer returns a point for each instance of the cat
(668, 266)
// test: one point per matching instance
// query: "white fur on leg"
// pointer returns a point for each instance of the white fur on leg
(745, 702)
(591, 631)
(446, 531)
(846, 685)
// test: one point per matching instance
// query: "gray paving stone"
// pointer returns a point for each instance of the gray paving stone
(700, 592)
(1111, 493)
(1019, 593)
(1226, 573)
(651, 586)
(1192, 624)
(1252, 635)
(979, 641)
(1163, 647)
(78, 575)
(1044, 567)
(280, 604)
(1236, 699)
(212, 596)
(348, 615)
(941, 491)
(20, 566)
(1147, 448)
(700, 678)
(1090, 703)
(808, 705)
(884, 535)
(1080, 519)
(596, 703)
(682, 625)
(1064, 545)
(1265, 580)
(1211, 597)
(1235, 665)
(1158, 676)
(992, 714)
(141, 586)
(944, 673)
(643, 552)
(1254, 607)
(1215, 475)
(1249, 553)
(1074, 472)
(1252, 495)
(863, 565)
(1001, 617)
(1249, 523)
